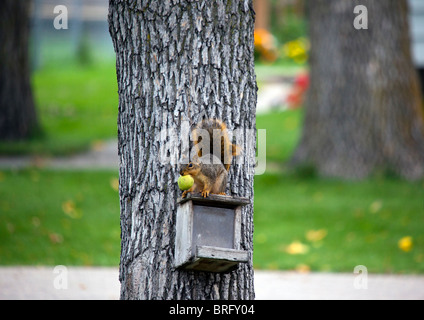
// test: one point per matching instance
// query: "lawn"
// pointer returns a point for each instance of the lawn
(76, 106)
(59, 217)
(302, 222)
(72, 218)
(329, 225)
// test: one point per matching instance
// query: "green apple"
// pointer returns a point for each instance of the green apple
(185, 182)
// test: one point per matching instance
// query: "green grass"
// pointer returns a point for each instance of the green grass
(264, 71)
(59, 217)
(76, 106)
(282, 133)
(361, 224)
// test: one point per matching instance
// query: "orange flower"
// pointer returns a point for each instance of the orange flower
(265, 45)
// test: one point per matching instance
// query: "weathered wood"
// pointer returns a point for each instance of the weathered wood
(215, 234)
(184, 233)
(237, 231)
(222, 254)
(179, 61)
(213, 259)
(215, 199)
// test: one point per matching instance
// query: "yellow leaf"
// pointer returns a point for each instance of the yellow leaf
(296, 247)
(70, 209)
(376, 206)
(303, 268)
(68, 206)
(114, 183)
(316, 235)
(405, 244)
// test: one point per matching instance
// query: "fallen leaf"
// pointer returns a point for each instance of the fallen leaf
(296, 247)
(303, 268)
(55, 238)
(114, 183)
(376, 206)
(70, 209)
(405, 244)
(316, 235)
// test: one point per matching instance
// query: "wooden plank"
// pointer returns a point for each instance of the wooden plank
(214, 259)
(215, 200)
(183, 237)
(237, 228)
(212, 265)
(222, 254)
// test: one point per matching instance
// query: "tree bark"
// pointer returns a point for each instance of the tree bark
(363, 111)
(178, 61)
(17, 111)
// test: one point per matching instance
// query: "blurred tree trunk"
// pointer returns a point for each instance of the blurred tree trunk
(17, 111)
(262, 16)
(363, 110)
(178, 60)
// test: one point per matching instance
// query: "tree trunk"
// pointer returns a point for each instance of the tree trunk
(363, 112)
(176, 61)
(17, 111)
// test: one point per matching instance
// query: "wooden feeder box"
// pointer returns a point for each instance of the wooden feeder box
(208, 233)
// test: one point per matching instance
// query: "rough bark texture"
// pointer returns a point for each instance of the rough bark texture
(363, 110)
(178, 60)
(17, 112)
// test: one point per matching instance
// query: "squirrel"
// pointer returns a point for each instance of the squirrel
(210, 170)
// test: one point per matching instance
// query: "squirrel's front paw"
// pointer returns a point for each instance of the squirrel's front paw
(205, 193)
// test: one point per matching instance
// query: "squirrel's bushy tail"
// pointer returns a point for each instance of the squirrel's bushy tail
(216, 132)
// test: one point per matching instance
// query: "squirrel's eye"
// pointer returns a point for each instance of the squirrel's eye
(190, 165)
